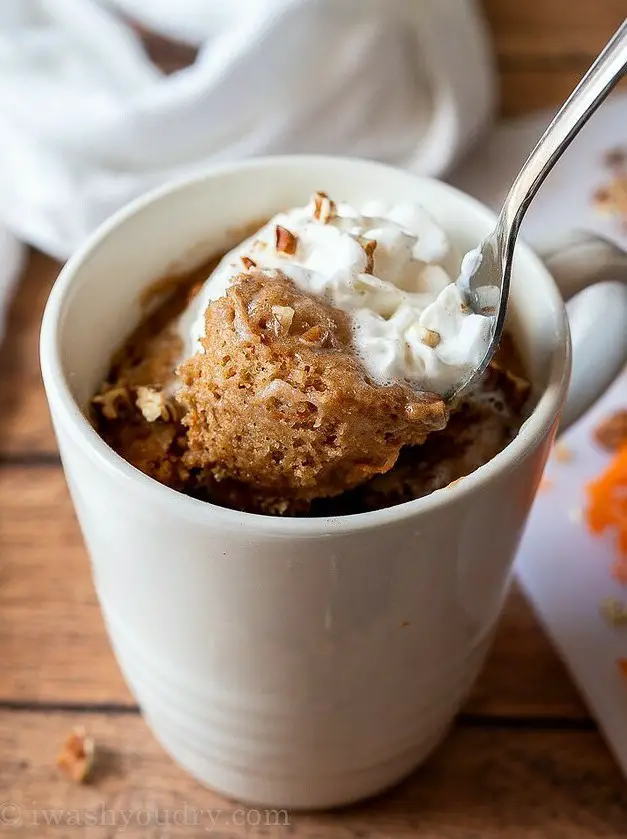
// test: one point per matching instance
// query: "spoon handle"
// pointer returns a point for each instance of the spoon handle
(600, 79)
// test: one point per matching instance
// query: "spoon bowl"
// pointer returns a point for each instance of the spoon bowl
(485, 276)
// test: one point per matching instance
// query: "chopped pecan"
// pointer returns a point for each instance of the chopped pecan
(316, 336)
(154, 405)
(429, 337)
(110, 401)
(248, 263)
(276, 507)
(369, 246)
(324, 209)
(285, 241)
(282, 319)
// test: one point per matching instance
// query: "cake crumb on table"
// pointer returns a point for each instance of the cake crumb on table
(77, 757)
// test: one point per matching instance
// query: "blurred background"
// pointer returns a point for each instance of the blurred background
(101, 100)
(541, 47)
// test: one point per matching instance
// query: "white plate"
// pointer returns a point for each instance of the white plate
(566, 572)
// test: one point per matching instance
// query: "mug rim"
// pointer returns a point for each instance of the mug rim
(535, 427)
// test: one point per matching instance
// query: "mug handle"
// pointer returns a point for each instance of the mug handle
(597, 315)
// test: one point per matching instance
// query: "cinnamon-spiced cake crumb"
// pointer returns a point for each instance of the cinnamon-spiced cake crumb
(278, 400)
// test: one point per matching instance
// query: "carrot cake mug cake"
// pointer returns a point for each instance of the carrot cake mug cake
(299, 547)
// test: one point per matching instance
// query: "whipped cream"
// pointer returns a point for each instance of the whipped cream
(408, 316)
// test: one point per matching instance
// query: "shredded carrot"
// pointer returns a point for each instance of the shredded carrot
(607, 506)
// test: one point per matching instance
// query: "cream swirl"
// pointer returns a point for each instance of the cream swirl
(385, 267)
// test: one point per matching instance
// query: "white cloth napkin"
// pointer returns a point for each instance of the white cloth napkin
(87, 122)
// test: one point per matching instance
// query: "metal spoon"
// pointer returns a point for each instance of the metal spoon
(485, 281)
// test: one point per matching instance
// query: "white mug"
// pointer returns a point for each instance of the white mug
(299, 662)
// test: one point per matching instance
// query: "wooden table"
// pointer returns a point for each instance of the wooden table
(525, 759)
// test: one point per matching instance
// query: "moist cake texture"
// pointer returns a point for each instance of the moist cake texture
(277, 365)
(279, 401)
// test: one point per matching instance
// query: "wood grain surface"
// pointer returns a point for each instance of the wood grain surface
(525, 760)
(484, 783)
(543, 47)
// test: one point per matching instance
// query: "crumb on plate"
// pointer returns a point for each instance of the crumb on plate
(610, 200)
(545, 485)
(563, 453)
(619, 571)
(614, 611)
(611, 433)
(615, 158)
